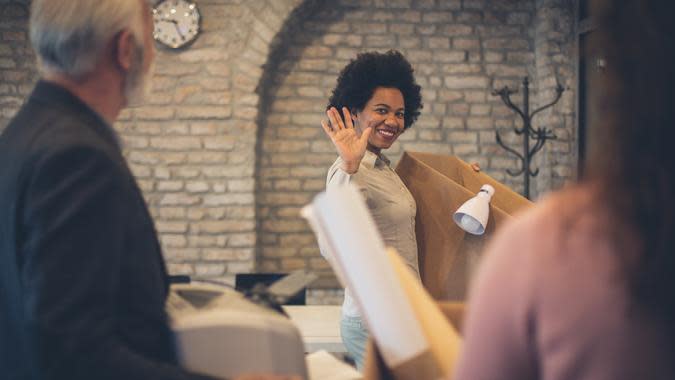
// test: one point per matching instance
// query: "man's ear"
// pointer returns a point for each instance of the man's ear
(124, 50)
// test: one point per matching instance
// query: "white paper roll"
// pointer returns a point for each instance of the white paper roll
(341, 220)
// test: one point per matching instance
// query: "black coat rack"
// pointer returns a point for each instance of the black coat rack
(539, 135)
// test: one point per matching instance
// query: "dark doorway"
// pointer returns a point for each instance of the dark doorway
(591, 65)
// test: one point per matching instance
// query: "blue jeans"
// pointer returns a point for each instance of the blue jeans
(354, 336)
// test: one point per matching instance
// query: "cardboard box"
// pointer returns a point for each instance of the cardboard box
(375, 369)
(435, 320)
(440, 185)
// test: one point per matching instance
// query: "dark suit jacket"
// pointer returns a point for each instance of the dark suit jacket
(82, 279)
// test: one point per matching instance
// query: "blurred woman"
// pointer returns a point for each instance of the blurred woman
(583, 286)
(375, 100)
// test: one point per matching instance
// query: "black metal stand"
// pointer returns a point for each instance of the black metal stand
(539, 136)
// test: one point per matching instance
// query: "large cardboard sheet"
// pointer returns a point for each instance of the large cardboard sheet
(376, 369)
(440, 185)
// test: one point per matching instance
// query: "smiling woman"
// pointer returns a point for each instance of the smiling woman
(375, 100)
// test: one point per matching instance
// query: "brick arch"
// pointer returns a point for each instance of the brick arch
(278, 218)
(264, 21)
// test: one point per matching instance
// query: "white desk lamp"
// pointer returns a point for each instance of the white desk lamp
(472, 216)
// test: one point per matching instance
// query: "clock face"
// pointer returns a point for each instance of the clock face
(176, 22)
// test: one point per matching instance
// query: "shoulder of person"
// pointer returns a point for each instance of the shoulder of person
(66, 151)
(546, 221)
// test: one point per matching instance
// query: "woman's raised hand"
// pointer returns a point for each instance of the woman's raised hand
(350, 146)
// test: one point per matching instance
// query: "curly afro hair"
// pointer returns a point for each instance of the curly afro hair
(359, 79)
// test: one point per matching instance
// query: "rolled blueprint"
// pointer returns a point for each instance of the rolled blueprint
(342, 222)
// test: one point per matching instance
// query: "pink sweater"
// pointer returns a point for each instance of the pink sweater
(549, 303)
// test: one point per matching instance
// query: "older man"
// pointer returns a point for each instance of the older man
(82, 279)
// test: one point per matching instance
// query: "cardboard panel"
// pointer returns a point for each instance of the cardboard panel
(375, 369)
(440, 185)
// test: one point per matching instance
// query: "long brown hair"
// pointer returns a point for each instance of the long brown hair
(636, 164)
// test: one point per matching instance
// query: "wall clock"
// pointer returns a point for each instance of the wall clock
(177, 23)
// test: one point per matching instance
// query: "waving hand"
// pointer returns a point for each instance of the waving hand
(350, 146)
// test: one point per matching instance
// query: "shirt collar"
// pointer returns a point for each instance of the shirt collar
(371, 159)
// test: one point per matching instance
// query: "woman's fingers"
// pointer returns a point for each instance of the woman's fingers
(331, 119)
(326, 127)
(348, 117)
(335, 119)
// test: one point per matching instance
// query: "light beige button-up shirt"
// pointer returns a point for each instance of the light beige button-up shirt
(392, 206)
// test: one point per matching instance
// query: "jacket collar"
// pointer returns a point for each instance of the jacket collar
(57, 96)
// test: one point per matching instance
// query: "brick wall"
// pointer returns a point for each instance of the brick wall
(192, 147)
(17, 66)
(460, 50)
(556, 54)
(229, 146)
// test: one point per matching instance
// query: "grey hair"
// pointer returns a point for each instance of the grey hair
(68, 36)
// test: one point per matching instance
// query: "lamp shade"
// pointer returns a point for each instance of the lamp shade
(472, 216)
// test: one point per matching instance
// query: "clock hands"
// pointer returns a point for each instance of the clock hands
(175, 24)
(184, 16)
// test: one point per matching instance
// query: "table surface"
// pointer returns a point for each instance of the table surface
(319, 326)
